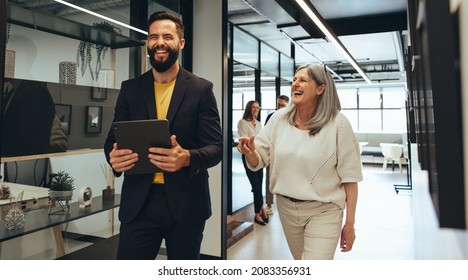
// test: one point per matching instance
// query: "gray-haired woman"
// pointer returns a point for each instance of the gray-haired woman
(314, 163)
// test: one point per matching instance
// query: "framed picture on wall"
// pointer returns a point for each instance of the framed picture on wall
(98, 93)
(93, 122)
(63, 113)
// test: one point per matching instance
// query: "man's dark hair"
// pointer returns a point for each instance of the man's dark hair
(161, 15)
(284, 97)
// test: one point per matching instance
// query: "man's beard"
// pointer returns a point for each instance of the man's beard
(163, 66)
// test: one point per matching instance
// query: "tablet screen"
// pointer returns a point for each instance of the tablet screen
(139, 136)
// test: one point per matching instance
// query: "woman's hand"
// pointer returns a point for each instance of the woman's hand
(347, 238)
(246, 145)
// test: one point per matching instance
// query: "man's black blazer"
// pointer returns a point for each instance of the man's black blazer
(193, 117)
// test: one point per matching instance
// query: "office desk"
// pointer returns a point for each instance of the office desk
(39, 219)
(33, 198)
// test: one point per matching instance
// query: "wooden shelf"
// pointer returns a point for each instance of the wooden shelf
(39, 156)
(64, 27)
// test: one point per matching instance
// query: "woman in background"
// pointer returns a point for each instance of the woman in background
(249, 126)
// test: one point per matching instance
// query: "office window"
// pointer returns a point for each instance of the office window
(240, 97)
(268, 102)
(369, 98)
(370, 120)
(393, 97)
(352, 116)
(394, 120)
(237, 99)
(348, 98)
(374, 109)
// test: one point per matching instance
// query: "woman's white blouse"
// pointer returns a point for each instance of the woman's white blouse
(246, 129)
(309, 167)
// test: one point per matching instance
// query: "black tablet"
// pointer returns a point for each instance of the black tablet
(139, 136)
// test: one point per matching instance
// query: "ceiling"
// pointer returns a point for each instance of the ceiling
(373, 32)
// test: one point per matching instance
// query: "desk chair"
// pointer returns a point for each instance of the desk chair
(392, 152)
(27, 172)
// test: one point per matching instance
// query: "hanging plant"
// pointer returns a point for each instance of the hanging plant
(84, 53)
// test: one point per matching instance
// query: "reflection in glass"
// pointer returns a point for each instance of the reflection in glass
(94, 119)
(27, 116)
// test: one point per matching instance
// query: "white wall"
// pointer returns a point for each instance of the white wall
(207, 63)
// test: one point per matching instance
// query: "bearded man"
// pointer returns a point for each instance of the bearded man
(172, 205)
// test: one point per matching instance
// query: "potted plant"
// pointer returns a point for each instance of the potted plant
(84, 53)
(61, 186)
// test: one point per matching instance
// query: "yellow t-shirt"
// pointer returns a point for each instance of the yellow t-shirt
(163, 95)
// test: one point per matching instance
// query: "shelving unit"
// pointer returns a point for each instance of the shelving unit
(64, 27)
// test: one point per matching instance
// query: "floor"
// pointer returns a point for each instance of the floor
(384, 225)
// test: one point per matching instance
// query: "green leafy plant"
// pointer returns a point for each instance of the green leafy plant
(61, 181)
(84, 53)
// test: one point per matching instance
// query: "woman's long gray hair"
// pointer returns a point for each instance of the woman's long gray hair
(328, 103)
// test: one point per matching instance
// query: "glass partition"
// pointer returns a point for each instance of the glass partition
(268, 95)
(287, 67)
(245, 48)
(242, 92)
(269, 58)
